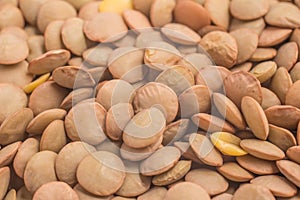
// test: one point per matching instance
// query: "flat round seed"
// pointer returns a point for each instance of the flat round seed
(291, 114)
(249, 9)
(256, 25)
(15, 74)
(134, 183)
(204, 77)
(40, 170)
(272, 36)
(54, 10)
(186, 190)
(157, 94)
(234, 172)
(131, 59)
(30, 9)
(262, 149)
(86, 122)
(211, 123)
(49, 61)
(13, 127)
(264, 71)
(10, 15)
(12, 100)
(252, 191)
(52, 35)
(220, 45)
(247, 41)
(161, 12)
(205, 150)
(144, 128)
(178, 78)
(112, 27)
(42, 120)
(68, 160)
(292, 95)
(54, 190)
(97, 56)
(278, 185)
(194, 100)
(240, 84)
(73, 36)
(15, 30)
(173, 175)
(191, 14)
(167, 156)
(280, 83)
(229, 110)
(107, 179)
(180, 33)
(174, 131)
(246, 67)
(219, 12)
(53, 137)
(211, 181)
(285, 20)
(161, 55)
(255, 117)
(290, 170)
(46, 96)
(257, 165)
(14, 49)
(281, 137)
(89, 10)
(76, 96)
(293, 154)
(287, 55)
(117, 118)
(4, 180)
(84, 195)
(227, 143)
(8, 153)
(263, 54)
(27, 149)
(134, 154)
(269, 98)
(114, 92)
(136, 20)
(72, 77)
(295, 72)
(157, 193)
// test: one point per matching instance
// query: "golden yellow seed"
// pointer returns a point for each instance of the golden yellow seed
(31, 86)
(227, 143)
(116, 6)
